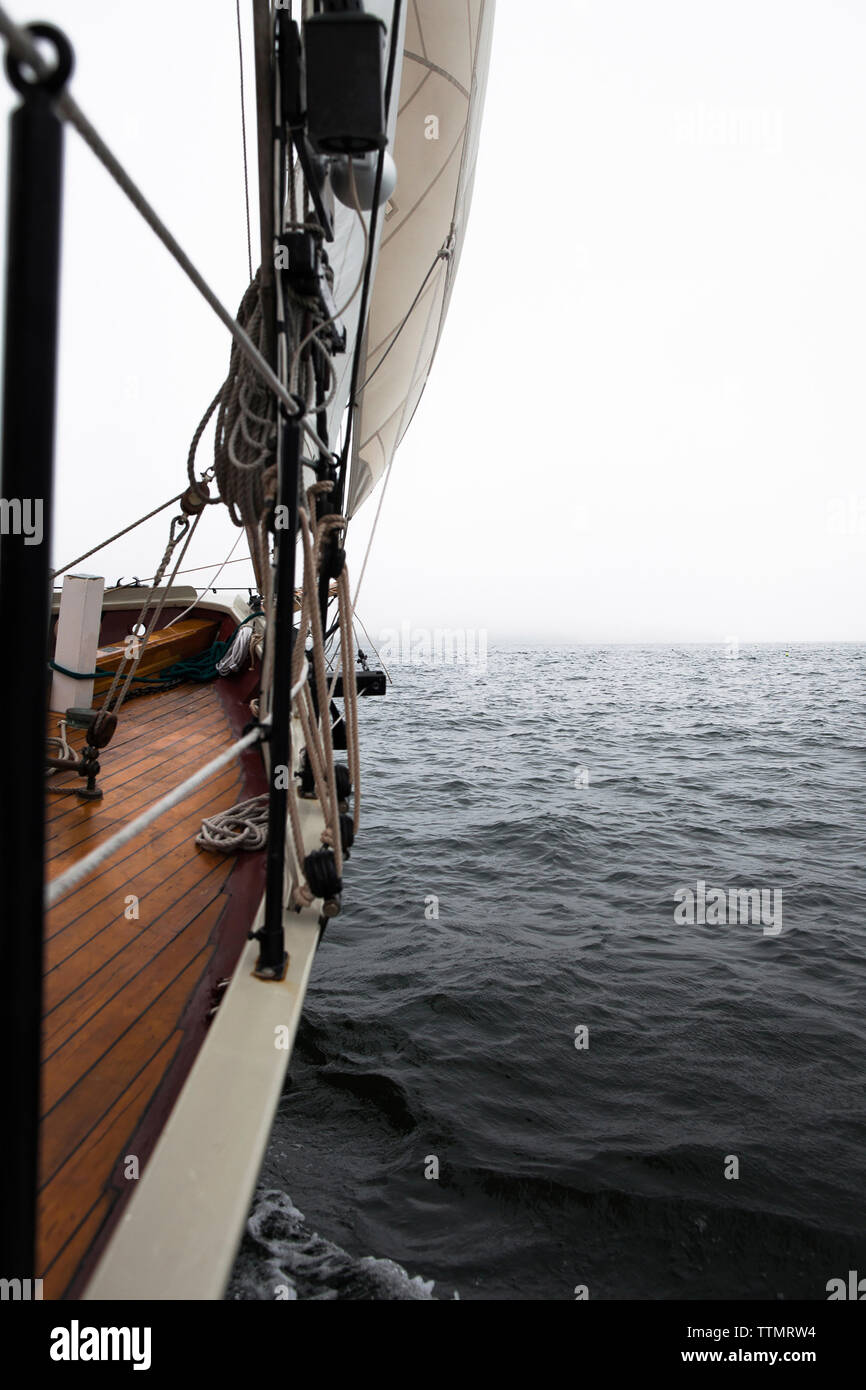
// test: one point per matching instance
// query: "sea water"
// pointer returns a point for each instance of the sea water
(524, 1071)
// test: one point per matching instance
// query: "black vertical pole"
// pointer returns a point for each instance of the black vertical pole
(32, 288)
(272, 955)
(326, 472)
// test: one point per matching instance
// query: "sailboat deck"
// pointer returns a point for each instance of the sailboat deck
(133, 956)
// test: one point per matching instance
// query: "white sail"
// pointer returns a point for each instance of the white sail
(445, 59)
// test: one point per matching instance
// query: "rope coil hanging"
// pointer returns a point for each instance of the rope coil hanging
(245, 438)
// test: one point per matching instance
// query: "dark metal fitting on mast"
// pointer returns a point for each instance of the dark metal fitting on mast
(344, 54)
(290, 60)
(334, 559)
(339, 740)
(307, 789)
(303, 260)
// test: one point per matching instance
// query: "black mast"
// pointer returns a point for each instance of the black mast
(272, 956)
(29, 389)
(273, 961)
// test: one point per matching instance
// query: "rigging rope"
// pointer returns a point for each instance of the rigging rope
(443, 254)
(244, 138)
(23, 47)
(357, 618)
(200, 596)
(111, 539)
(184, 532)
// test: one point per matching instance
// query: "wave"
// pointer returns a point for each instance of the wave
(451, 1034)
(282, 1259)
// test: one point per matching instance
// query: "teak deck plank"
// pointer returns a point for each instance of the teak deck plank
(114, 876)
(78, 1100)
(110, 1026)
(138, 765)
(128, 747)
(182, 814)
(97, 827)
(96, 980)
(164, 770)
(62, 1198)
(117, 991)
(65, 1261)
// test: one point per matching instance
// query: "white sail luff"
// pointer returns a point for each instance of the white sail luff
(445, 59)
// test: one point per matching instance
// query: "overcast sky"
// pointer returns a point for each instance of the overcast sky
(645, 420)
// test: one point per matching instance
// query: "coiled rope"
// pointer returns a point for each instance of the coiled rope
(244, 826)
(245, 439)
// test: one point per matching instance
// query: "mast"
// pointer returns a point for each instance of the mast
(29, 395)
(273, 960)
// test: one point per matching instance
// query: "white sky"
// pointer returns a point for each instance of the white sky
(645, 420)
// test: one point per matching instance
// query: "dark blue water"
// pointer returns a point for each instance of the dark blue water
(553, 805)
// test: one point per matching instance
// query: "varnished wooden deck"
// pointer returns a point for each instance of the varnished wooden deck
(127, 997)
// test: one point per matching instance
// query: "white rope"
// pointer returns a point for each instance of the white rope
(199, 597)
(372, 534)
(238, 652)
(62, 743)
(74, 875)
(296, 689)
(244, 826)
